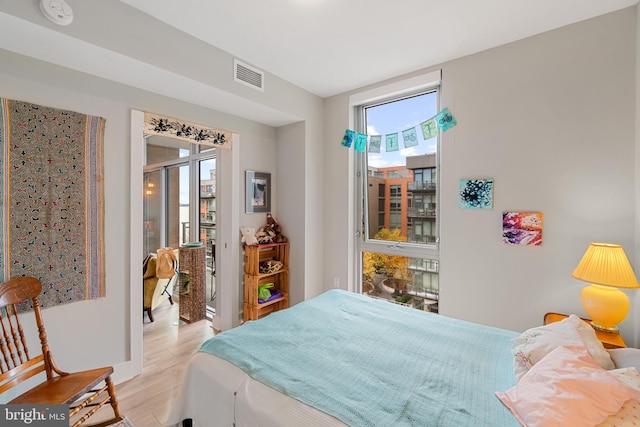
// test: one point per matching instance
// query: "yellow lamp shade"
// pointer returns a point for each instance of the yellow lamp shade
(606, 266)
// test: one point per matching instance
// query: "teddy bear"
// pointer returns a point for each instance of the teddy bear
(248, 236)
(276, 229)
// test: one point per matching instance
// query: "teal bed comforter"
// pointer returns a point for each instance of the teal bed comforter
(368, 362)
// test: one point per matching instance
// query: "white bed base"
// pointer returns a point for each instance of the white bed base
(215, 392)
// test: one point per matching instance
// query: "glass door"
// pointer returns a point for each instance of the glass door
(152, 212)
(177, 206)
(207, 218)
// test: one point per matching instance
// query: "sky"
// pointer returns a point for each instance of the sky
(205, 174)
(395, 117)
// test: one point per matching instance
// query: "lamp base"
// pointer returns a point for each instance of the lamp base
(606, 306)
(607, 329)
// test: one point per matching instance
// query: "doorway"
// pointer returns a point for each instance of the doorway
(179, 201)
(228, 200)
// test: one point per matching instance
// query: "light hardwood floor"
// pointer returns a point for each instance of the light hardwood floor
(147, 399)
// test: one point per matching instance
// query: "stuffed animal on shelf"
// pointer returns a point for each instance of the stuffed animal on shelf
(248, 236)
(276, 229)
(271, 221)
(265, 235)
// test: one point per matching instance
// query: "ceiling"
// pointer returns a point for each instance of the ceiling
(333, 46)
(326, 47)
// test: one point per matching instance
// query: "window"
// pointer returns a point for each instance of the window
(395, 220)
(177, 207)
(398, 261)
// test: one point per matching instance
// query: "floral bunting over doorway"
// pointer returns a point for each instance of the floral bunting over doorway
(178, 129)
(444, 121)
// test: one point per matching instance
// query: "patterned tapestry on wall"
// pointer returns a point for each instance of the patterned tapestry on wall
(52, 200)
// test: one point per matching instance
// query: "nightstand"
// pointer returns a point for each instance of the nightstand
(608, 339)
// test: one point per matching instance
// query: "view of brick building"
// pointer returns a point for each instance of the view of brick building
(404, 198)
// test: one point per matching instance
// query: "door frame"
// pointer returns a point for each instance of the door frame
(227, 250)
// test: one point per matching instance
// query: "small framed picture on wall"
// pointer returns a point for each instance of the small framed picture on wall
(258, 191)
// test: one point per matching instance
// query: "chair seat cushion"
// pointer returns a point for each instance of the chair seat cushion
(64, 389)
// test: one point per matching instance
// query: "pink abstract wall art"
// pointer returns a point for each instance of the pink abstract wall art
(522, 228)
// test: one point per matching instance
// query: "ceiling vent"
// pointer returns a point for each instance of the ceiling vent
(248, 75)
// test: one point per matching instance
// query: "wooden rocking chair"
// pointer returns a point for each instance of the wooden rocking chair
(84, 391)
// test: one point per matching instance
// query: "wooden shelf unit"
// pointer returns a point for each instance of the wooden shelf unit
(253, 256)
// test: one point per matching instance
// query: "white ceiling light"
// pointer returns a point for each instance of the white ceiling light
(57, 11)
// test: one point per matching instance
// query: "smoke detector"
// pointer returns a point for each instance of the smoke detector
(57, 11)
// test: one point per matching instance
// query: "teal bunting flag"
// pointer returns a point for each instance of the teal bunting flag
(374, 143)
(392, 142)
(410, 137)
(347, 139)
(429, 129)
(445, 120)
(361, 142)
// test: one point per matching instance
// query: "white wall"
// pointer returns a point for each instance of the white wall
(104, 325)
(636, 313)
(92, 320)
(552, 119)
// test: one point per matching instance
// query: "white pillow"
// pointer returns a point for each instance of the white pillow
(535, 343)
(625, 357)
(567, 388)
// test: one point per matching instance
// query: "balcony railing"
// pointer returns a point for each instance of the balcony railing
(421, 212)
(421, 186)
(423, 292)
(419, 264)
(419, 238)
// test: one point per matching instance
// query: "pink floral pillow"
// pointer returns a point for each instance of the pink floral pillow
(629, 414)
(566, 388)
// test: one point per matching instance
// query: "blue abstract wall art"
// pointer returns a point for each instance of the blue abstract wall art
(476, 194)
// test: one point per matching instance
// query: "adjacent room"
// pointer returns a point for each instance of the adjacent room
(175, 172)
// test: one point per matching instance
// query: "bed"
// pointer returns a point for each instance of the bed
(346, 359)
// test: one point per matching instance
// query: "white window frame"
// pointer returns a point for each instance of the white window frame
(399, 89)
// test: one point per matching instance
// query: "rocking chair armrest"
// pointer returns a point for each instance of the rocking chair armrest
(53, 365)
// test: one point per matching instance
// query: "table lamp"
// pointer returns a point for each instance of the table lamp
(606, 267)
